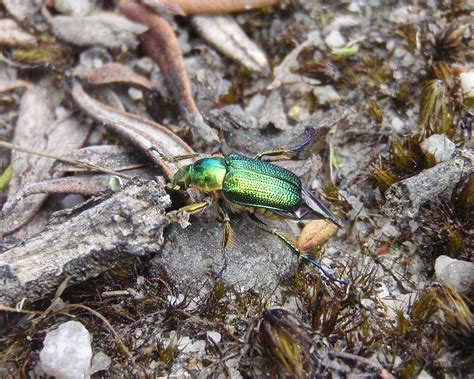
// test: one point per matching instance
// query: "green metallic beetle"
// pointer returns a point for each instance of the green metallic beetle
(236, 183)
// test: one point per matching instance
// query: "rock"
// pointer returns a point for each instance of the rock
(397, 124)
(100, 362)
(335, 40)
(467, 83)
(67, 351)
(326, 95)
(404, 198)
(214, 336)
(192, 257)
(438, 146)
(458, 274)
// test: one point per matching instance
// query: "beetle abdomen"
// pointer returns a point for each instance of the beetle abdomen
(256, 183)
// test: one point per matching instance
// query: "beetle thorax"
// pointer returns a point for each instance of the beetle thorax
(207, 174)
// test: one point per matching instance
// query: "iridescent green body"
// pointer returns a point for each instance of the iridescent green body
(256, 183)
(244, 181)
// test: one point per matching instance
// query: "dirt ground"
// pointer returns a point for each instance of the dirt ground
(386, 89)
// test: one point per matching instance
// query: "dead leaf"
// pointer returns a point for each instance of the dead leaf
(12, 35)
(117, 73)
(188, 8)
(315, 234)
(36, 129)
(107, 29)
(227, 36)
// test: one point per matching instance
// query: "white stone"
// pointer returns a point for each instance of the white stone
(335, 40)
(467, 83)
(397, 124)
(135, 93)
(326, 95)
(100, 362)
(174, 301)
(459, 274)
(424, 375)
(67, 351)
(195, 347)
(439, 146)
(214, 336)
(74, 7)
(341, 22)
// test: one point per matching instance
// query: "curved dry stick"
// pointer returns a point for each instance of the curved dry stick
(84, 185)
(193, 7)
(141, 132)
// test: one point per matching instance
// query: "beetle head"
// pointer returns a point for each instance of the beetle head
(180, 179)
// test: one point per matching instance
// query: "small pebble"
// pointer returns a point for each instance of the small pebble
(439, 146)
(457, 273)
(326, 95)
(335, 40)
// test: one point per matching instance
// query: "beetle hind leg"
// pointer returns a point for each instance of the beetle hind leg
(228, 239)
(292, 244)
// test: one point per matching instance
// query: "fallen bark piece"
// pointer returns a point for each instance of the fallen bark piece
(404, 198)
(12, 35)
(112, 157)
(227, 36)
(99, 238)
(106, 29)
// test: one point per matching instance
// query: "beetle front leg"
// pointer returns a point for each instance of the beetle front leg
(287, 153)
(177, 215)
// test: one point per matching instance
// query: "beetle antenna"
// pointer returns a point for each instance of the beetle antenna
(326, 273)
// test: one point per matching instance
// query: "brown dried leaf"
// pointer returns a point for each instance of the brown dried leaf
(117, 73)
(227, 36)
(12, 35)
(192, 7)
(36, 129)
(141, 132)
(315, 234)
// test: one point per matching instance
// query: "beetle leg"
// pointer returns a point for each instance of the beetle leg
(174, 158)
(177, 215)
(287, 153)
(227, 238)
(266, 228)
(292, 244)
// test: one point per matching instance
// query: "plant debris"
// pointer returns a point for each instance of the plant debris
(102, 102)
